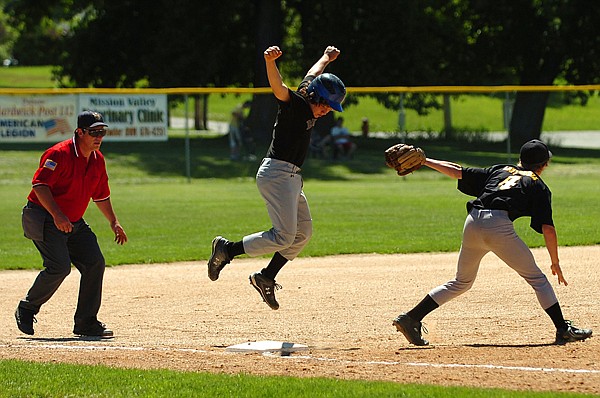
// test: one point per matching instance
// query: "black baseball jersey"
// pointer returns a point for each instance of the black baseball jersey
(291, 132)
(506, 187)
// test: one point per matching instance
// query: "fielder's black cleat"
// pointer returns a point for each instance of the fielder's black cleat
(219, 258)
(411, 329)
(25, 319)
(95, 329)
(570, 333)
(266, 287)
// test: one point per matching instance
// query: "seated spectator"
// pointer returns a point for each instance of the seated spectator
(237, 134)
(318, 144)
(342, 144)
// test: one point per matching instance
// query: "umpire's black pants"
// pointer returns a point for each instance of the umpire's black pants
(58, 250)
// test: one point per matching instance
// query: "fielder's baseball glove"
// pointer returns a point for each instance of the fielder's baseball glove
(404, 158)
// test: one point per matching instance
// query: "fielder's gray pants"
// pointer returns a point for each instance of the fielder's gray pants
(280, 184)
(492, 231)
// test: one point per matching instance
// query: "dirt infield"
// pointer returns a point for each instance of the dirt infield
(172, 316)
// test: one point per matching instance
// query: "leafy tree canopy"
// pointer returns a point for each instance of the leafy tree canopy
(109, 43)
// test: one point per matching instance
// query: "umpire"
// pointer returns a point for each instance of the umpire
(70, 174)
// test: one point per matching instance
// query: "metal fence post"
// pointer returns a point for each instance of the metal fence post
(187, 142)
(507, 108)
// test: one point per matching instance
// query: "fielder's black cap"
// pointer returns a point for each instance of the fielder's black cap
(535, 152)
(87, 119)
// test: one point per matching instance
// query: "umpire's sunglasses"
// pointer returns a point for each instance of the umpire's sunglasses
(96, 133)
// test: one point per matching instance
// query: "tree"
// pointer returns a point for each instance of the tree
(403, 43)
(170, 44)
(460, 42)
(113, 43)
(37, 29)
(542, 42)
(268, 31)
(8, 36)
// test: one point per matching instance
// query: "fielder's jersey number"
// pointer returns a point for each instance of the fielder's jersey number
(510, 182)
(515, 178)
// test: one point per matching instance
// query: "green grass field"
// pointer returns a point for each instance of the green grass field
(169, 219)
(26, 77)
(354, 203)
(60, 380)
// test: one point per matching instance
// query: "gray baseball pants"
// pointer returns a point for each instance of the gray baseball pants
(280, 184)
(492, 231)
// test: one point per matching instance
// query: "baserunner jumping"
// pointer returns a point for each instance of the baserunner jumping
(278, 178)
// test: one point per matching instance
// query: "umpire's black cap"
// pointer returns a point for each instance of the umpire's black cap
(535, 152)
(87, 119)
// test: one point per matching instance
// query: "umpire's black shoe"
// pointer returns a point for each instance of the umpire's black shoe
(411, 329)
(219, 258)
(25, 319)
(94, 329)
(570, 333)
(266, 287)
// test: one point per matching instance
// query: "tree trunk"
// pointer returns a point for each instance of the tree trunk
(448, 130)
(269, 32)
(528, 112)
(262, 116)
(200, 112)
(527, 117)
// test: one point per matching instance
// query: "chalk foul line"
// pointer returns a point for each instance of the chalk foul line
(307, 357)
(99, 348)
(451, 365)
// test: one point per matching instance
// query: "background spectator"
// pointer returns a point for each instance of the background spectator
(237, 134)
(364, 127)
(342, 145)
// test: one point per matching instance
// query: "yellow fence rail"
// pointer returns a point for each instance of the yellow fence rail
(265, 90)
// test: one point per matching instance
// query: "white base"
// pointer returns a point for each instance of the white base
(267, 346)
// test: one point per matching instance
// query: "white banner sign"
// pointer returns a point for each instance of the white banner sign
(130, 117)
(53, 118)
(49, 118)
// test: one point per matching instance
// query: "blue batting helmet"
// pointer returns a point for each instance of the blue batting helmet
(329, 88)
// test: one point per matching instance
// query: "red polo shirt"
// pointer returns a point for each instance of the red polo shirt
(72, 180)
